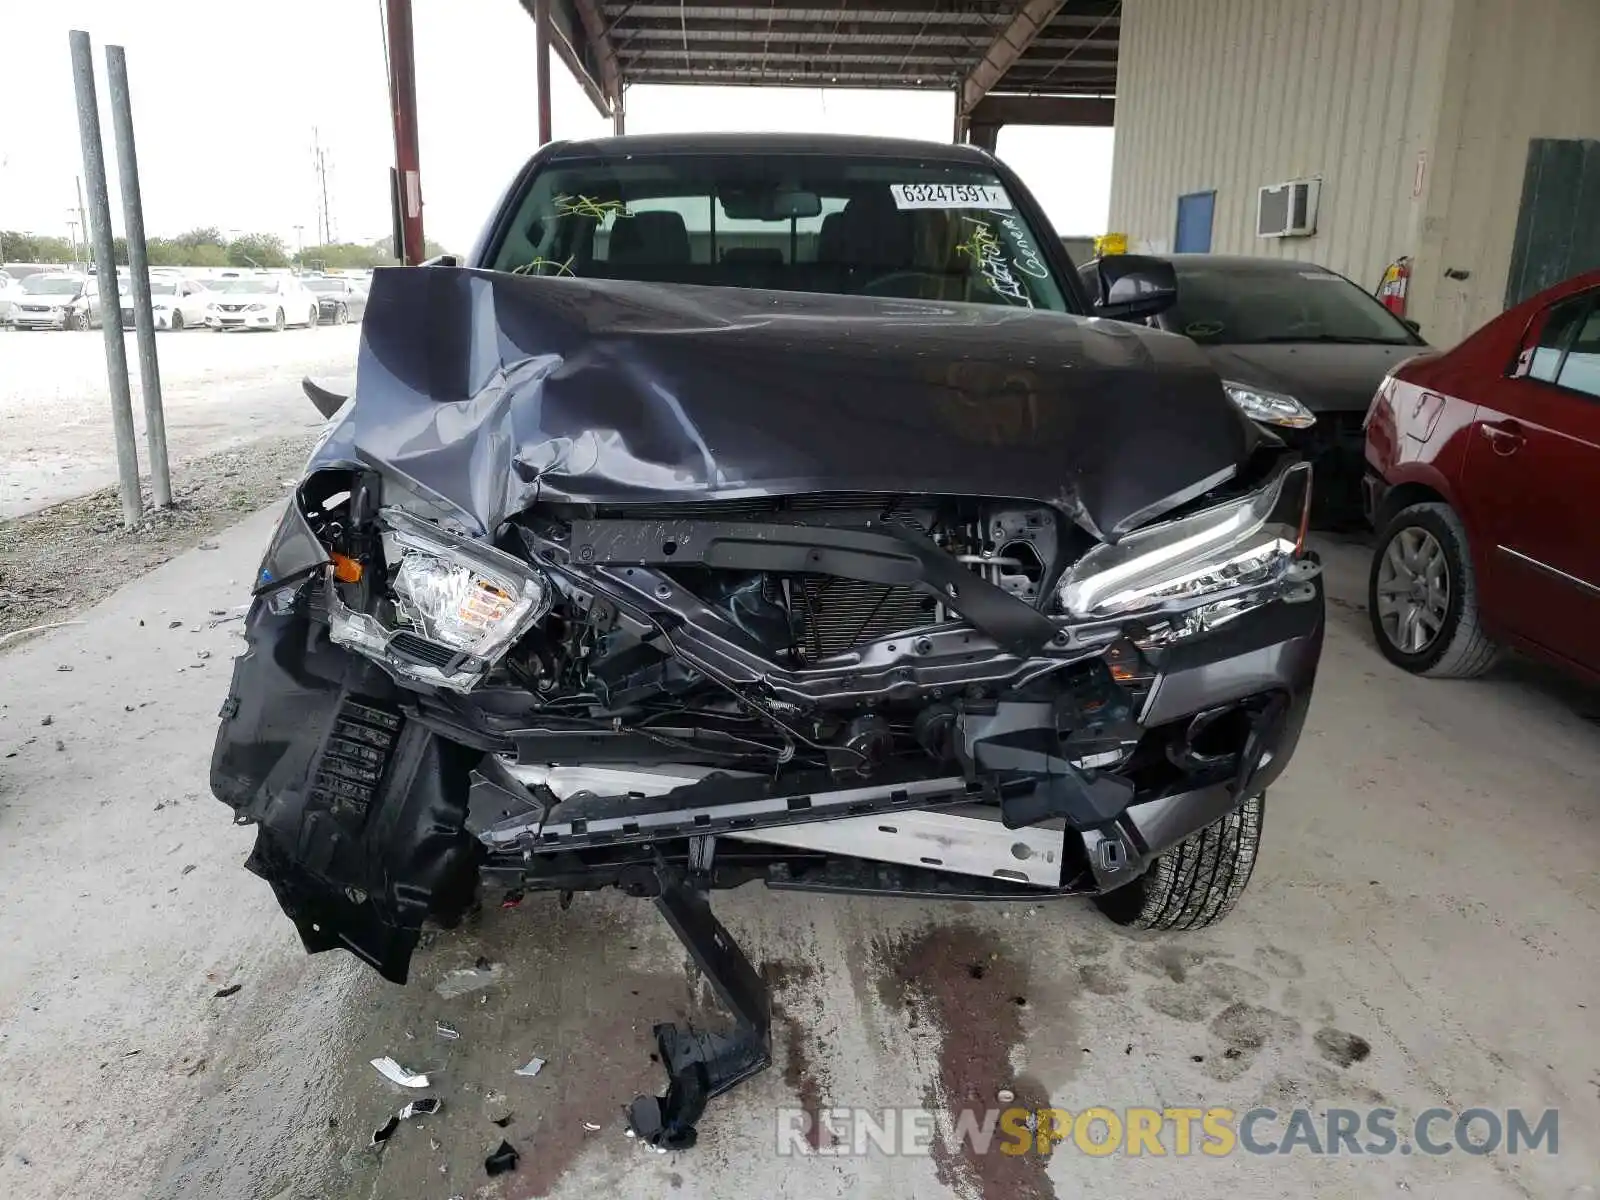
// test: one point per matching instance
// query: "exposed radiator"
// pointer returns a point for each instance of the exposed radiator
(840, 614)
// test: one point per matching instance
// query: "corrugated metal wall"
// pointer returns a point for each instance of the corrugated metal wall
(1518, 70)
(1232, 95)
(1236, 94)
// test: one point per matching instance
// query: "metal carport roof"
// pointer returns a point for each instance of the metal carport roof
(977, 49)
(1041, 62)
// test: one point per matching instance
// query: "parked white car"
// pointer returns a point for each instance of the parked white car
(10, 289)
(259, 302)
(56, 300)
(175, 303)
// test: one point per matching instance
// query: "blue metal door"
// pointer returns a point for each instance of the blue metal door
(1194, 223)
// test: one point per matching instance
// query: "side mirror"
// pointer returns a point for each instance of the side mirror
(1131, 286)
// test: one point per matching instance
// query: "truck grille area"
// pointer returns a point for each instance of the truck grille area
(837, 615)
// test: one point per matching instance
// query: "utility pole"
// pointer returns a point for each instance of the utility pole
(319, 164)
(83, 219)
(299, 240)
(94, 166)
(144, 321)
(72, 233)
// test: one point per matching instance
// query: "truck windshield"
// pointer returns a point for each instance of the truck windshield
(792, 222)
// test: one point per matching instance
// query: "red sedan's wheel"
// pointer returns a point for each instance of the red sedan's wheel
(1422, 596)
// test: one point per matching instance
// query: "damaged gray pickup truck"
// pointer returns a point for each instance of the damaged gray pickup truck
(769, 509)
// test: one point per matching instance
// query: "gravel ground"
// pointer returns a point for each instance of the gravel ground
(71, 555)
(218, 392)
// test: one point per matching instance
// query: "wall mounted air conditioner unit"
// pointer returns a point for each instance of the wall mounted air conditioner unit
(1288, 209)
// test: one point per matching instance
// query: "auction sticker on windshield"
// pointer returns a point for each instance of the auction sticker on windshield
(949, 195)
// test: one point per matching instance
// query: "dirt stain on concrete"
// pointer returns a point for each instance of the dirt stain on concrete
(1341, 1048)
(1101, 979)
(962, 983)
(801, 1073)
(1179, 1002)
(1169, 961)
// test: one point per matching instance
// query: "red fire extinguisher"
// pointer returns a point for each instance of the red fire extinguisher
(1392, 291)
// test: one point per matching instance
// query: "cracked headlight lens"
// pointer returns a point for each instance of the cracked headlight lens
(459, 593)
(1236, 547)
(1270, 408)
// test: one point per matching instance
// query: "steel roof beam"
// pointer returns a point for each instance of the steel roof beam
(984, 12)
(1026, 24)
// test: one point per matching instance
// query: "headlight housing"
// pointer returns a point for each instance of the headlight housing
(1270, 408)
(457, 605)
(1212, 558)
(257, 308)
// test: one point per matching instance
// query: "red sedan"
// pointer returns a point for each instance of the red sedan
(1483, 483)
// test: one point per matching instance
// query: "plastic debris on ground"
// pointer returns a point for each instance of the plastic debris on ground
(425, 1107)
(224, 992)
(449, 1032)
(592, 1126)
(534, 1066)
(469, 979)
(502, 1160)
(395, 1073)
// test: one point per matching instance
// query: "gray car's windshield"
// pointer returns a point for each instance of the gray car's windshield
(324, 285)
(51, 285)
(793, 222)
(1220, 304)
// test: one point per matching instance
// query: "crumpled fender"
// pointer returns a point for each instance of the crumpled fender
(360, 812)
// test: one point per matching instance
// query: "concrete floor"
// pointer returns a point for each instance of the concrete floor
(1427, 884)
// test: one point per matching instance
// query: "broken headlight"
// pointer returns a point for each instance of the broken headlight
(458, 605)
(1238, 547)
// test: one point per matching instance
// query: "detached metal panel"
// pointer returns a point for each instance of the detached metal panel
(1233, 95)
(1558, 221)
(1519, 70)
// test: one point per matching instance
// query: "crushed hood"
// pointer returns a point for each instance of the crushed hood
(491, 391)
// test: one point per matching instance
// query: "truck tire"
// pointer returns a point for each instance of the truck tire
(1458, 648)
(1197, 882)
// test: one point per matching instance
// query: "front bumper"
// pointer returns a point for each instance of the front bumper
(56, 318)
(241, 320)
(378, 807)
(1335, 448)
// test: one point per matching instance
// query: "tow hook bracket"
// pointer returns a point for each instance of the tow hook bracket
(703, 1064)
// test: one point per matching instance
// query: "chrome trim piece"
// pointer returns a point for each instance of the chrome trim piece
(1581, 584)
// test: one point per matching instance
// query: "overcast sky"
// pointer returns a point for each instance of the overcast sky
(226, 97)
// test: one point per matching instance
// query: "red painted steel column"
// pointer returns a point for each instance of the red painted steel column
(541, 65)
(403, 109)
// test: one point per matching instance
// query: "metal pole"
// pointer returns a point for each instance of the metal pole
(144, 321)
(94, 166)
(403, 104)
(619, 116)
(541, 66)
(83, 219)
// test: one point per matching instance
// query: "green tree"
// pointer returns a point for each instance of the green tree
(33, 248)
(258, 250)
(205, 235)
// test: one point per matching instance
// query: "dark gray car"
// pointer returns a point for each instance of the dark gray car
(1300, 349)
